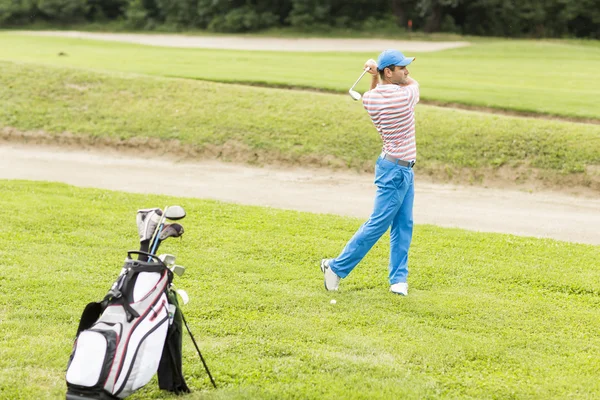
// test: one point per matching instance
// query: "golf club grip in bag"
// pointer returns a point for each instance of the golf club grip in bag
(120, 352)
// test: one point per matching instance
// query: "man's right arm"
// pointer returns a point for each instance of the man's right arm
(372, 65)
(374, 81)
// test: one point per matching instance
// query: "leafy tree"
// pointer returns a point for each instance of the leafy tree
(15, 12)
(63, 10)
(511, 18)
(105, 9)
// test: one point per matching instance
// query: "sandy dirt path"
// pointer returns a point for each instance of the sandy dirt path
(257, 43)
(548, 215)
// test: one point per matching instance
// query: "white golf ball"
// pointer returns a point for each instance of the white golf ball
(333, 301)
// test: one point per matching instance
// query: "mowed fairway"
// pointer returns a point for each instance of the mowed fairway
(546, 77)
(488, 316)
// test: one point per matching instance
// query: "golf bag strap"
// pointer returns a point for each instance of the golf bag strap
(145, 254)
(148, 268)
(131, 313)
(145, 266)
(116, 297)
(136, 268)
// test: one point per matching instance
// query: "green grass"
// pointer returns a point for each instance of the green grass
(545, 77)
(488, 315)
(267, 125)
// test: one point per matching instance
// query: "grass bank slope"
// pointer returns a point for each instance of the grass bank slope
(265, 125)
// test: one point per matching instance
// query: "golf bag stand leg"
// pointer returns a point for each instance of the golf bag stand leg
(198, 350)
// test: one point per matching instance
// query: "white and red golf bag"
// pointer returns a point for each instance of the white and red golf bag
(119, 352)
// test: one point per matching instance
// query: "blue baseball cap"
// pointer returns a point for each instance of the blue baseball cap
(392, 57)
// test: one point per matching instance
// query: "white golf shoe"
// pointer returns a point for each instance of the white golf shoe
(332, 281)
(400, 288)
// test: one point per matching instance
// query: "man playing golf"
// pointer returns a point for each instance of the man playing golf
(390, 104)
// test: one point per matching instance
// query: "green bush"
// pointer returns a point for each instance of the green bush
(136, 14)
(179, 13)
(243, 19)
(449, 25)
(381, 24)
(63, 10)
(16, 12)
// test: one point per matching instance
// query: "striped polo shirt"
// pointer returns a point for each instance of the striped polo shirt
(392, 110)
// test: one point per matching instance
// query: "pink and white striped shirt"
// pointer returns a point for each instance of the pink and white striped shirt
(392, 110)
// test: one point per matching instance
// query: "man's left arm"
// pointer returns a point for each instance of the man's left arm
(410, 82)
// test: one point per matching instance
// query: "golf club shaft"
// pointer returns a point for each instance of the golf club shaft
(155, 237)
(359, 78)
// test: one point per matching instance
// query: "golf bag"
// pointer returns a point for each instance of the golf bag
(136, 330)
(118, 353)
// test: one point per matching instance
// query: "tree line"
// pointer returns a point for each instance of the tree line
(508, 18)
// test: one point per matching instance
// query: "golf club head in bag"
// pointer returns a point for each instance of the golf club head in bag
(147, 220)
(169, 261)
(172, 213)
(152, 229)
(171, 230)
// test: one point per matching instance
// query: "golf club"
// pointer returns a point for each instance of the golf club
(168, 230)
(353, 93)
(173, 213)
(147, 220)
(171, 230)
(169, 261)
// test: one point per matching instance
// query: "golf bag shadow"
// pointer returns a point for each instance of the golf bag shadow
(135, 331)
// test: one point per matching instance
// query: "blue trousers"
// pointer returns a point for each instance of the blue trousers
(393, 207)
